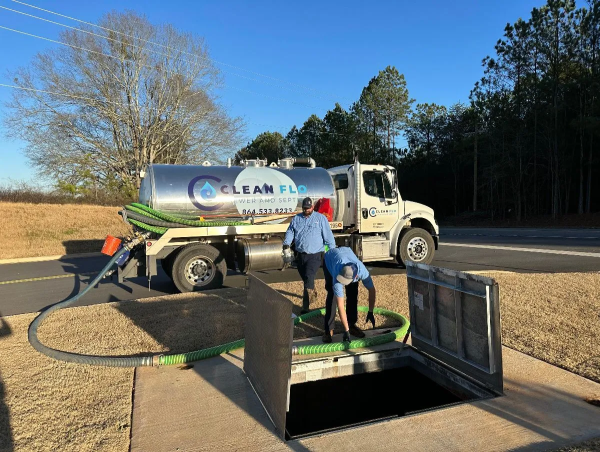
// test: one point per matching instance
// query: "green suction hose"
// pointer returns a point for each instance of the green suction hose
(182, 358)
(357, 343)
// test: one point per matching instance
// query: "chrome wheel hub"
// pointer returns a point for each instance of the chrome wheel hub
(199, 271)
(417, 249)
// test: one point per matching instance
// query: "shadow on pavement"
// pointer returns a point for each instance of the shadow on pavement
(540, 402)
(82, 246)
(6, 438)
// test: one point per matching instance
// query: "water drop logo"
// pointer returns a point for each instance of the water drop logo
(207, 191)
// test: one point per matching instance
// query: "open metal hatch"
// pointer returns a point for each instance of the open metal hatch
(268, 351)
(455, 357)
(455, 319)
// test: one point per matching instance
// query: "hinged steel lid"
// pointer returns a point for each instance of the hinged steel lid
(268, 351)
(455, 318)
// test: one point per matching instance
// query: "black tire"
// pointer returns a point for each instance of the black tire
(198, 267)
(167, 263)
(417, 245)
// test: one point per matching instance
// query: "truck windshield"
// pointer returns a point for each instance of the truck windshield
(376, 184)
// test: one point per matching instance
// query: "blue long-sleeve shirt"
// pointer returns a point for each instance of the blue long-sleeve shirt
(311, 233)
(340, 257)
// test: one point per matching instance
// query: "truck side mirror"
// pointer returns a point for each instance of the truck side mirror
(394, 199)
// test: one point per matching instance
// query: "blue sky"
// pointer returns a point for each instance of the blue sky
(332, 49)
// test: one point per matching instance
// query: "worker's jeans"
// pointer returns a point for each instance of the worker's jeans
(331, 305)
(308, 264)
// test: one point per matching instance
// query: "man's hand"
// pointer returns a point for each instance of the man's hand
(370, 318)
(346, 336)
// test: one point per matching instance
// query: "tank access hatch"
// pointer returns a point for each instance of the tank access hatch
(455, 357)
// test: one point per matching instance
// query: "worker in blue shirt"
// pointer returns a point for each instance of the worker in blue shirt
(343, 269)
(311, 232)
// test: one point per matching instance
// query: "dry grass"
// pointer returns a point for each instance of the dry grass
(31, 230)
(60, 406)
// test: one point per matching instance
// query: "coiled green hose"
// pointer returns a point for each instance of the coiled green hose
(176, 219)
(157, 221)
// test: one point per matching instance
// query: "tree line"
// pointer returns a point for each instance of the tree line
(524, 145)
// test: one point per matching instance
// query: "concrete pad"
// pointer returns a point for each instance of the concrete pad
(212, 407)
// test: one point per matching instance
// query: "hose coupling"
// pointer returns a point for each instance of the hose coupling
(139, 238)
(156, 360)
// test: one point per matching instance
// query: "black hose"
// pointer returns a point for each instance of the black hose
(75, 357)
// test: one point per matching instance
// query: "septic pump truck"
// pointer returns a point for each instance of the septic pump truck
(202, 220)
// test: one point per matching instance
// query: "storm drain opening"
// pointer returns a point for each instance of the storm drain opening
(371, 388)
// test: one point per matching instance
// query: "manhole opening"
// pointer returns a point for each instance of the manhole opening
(373, 392)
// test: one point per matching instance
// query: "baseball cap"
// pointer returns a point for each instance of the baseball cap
(346, 275)
(307, 203)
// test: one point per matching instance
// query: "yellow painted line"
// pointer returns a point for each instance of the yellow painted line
(44, 278)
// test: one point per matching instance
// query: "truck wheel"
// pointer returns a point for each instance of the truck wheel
(167, 264)
(199, 267)
(417, 245)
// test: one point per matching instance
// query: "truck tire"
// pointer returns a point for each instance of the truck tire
(417, 245)
(167, 263)
(198, 267)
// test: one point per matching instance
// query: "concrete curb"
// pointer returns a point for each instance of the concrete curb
(22, 260)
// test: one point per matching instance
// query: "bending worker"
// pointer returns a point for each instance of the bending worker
(343, 265)
(311, 232)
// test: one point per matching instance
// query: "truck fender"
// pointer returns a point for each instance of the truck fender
(418, 220)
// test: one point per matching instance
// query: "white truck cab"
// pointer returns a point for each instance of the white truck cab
(372, 207)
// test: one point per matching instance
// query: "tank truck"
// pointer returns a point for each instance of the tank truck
(242, 213)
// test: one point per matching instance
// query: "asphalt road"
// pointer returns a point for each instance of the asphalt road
(521, 250)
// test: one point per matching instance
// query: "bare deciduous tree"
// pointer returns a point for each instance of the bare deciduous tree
(117, 98)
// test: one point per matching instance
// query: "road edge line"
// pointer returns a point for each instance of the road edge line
(529, 250)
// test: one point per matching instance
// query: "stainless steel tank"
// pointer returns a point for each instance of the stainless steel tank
(233, 192)
(257, 254)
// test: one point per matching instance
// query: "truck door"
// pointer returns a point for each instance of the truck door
(379, 206)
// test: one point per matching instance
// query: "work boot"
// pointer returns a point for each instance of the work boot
(305, 300)
(327, 338)
(356, 331)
